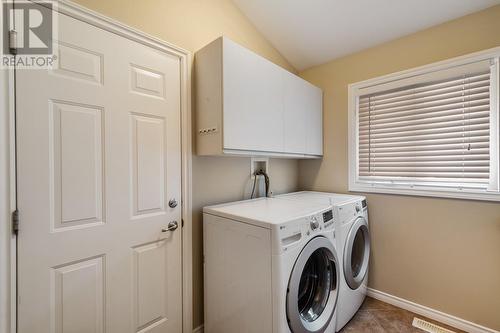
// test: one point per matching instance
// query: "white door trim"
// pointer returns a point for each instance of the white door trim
(7, 160)
(7, 203)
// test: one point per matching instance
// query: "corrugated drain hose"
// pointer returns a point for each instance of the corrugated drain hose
(266, 179)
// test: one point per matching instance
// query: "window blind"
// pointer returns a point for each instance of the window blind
(433, 132)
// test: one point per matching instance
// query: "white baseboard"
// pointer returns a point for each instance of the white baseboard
(442, 317)
(198, 329)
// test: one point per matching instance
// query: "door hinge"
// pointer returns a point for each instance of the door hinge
(13, 41)
(15, 221)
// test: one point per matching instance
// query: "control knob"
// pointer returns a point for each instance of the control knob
(314, 223)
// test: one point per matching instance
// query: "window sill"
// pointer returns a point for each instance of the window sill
(427, 191)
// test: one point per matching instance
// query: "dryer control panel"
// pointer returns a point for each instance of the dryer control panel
(350, 211)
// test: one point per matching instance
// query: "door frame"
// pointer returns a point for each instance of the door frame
(8, 258)
(8, 241)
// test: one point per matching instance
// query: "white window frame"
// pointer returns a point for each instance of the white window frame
(420, 189)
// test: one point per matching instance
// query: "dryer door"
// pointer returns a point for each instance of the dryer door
(313, 287)
(357, 253)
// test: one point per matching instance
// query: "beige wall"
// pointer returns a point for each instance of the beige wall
(191, 24)
(441, 253)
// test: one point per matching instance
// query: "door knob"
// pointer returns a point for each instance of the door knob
(172, 203)
(171, 226)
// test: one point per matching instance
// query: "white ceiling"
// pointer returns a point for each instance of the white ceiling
(312, 32)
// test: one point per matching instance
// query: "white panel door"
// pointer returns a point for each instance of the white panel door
(98, 160)
(253, 101)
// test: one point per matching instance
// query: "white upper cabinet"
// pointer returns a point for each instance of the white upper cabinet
(247, 105)
(253, 102)
(303, 116)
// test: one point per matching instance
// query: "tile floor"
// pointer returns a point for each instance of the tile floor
(376, 317)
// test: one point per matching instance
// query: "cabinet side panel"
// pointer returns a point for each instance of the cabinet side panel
(208, 79)
(237, 266)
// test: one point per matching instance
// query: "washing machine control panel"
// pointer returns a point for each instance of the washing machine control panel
(321, 221)
(328, 216)
(291, 234)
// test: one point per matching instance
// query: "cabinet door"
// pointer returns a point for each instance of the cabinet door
(296, 109)
(303, 119)
(253, 101)
(314, 131)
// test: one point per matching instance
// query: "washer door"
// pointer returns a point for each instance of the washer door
(357, 253)
(313, 287)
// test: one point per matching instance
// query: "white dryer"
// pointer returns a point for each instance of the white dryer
(353, 242)
(270, 265)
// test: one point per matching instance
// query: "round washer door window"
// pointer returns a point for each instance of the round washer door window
(357, 253)
(313, 287)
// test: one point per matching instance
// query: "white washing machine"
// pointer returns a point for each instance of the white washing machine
(353, 242)
(270, 265)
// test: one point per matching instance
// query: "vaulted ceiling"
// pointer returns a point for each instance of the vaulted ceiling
(311, 32)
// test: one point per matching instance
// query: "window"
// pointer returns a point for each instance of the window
(431, 131)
